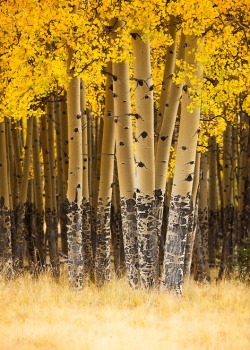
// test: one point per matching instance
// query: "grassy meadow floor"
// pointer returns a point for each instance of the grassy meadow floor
(43, 315)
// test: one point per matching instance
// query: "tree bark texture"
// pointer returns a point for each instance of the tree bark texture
(103, 223)
(126, 167)
(86, 205)
(181, 196)
(165, 141)
(6, 262)
(50, 212)
(145, 169)
(193, 220)
(74, 193)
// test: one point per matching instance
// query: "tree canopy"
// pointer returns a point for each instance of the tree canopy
(35, 37)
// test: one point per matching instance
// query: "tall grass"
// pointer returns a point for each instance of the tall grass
(40, 314)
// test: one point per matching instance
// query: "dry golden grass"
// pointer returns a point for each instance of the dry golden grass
(43, 315)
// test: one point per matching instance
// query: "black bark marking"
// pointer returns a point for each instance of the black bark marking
(143, 134)
(174, 252)
(147, 240)
(75, 246)
(141, 165)
(6, 262)
(189, 177)
(128, 214)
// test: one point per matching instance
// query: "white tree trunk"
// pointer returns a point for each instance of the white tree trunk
(181, 196)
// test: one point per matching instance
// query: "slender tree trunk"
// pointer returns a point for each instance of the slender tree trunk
(90, 167)
(202, 268)
(38, 194)
(246, 198)
(61, 194)
(52, 159)
(6, 262)
(234, 189)
(228, 202)
(213, 203)
(193, 220)
(125, 164)
(21, 230)
(75, 184)
(87, 211)
(10, 162)
(116, 226)
(244, 185)
(165, 141)
(103, 268)
(51, 234)
(145, 175)
(17, 146)
(181, 196)
(30, 227)
(65, 161)
(13, 179)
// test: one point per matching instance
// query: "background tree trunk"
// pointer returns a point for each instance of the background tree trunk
(6, 262)
(38, 194)
(51, 234)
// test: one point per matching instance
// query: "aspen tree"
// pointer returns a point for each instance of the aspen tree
(74, 192)
(125, 165)
(59, 177)
(193, 220)
(235, 191)
(6, 262)
(13, 180)
(103, 224)
(10, 161)
(17, 147)
(38, 194)
(145, 170)
(89, 169)
(97, 151)
(246, 208)
(18, 246)
(87, 211)
(181, 201)
(213, 201)
(201, 242)
(64, 152)
(51, 235)
(95, 132)
(227, 208)
(116, 226)
(30, 225)
(165, 139)
(244, 163)
(52, 159)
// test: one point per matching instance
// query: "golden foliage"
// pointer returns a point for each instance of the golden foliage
(35, 38)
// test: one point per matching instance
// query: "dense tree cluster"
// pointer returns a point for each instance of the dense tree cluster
(124, 138)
